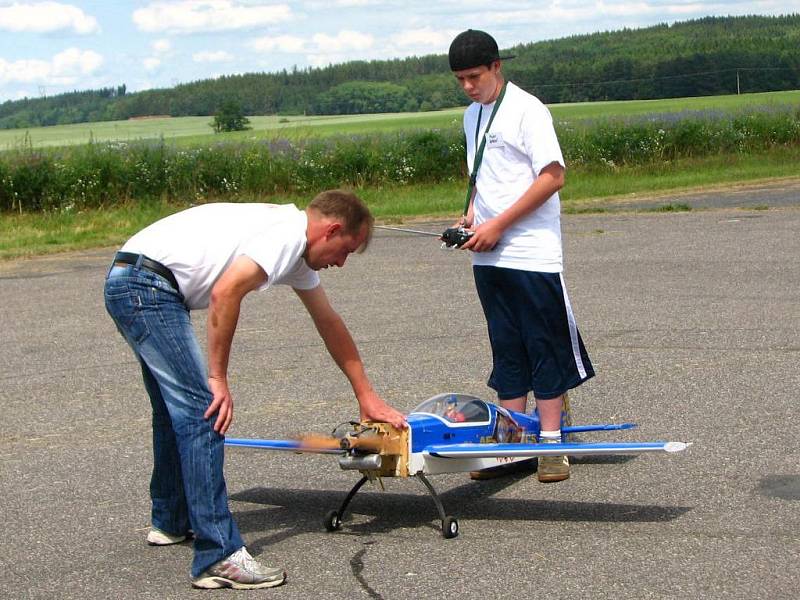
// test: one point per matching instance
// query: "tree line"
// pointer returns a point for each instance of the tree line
(710, 56)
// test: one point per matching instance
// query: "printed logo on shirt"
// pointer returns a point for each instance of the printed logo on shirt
(494, 140)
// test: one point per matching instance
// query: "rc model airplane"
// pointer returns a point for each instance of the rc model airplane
(448, 433)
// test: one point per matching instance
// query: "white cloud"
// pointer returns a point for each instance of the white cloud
(281, 43)
(322, 49)
(315, 5)
(46, 17)
(161, 46)
(81, 62)
(24, 71)
(212, 57)
(65, 68)
(162, 49)
(193, 16)
(343, 41)
(425, 40)
(321, 44)
(598, 12)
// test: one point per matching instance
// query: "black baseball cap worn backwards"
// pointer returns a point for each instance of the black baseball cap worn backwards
(473, 48)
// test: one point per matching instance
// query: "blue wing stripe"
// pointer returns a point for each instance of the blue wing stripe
(571, 449)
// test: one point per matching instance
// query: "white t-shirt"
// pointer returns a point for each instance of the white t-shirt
(520, 144)
(200, 243)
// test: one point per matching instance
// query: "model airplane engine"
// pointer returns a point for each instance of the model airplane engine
(376, 449)
(360, 462)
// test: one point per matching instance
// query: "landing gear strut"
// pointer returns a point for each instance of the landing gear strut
(334, 518)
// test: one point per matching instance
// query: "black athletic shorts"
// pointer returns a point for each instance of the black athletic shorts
(535, 342)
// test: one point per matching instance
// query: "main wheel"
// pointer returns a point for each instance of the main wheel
(332, 521)
(449, 528)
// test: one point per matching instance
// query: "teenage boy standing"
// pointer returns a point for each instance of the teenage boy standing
(514, 210)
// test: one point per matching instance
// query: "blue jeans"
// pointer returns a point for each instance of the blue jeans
(187, 487)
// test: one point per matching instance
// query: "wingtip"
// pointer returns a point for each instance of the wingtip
(676, 446)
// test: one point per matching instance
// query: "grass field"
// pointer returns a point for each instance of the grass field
(44, 233)
(588, 188)
(196, 130)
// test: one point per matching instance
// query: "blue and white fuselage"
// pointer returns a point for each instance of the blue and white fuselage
(448, 433)
(451, 433)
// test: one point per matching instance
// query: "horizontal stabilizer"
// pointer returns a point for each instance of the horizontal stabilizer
(582, 428)
(282, 445)
(531, 450)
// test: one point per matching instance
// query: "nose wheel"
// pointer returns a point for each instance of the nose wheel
(332, 521)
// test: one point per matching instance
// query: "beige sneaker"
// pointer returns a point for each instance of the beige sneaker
(239, 571)
(156, 537)
(552, 468)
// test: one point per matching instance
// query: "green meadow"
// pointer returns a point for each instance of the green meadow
(190, 131)
(80, 186)
(196, 130)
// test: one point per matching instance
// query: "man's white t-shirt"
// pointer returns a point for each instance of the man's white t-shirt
(200, 243)
(520, 143)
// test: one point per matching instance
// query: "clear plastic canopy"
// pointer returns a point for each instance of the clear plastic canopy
(456, 408)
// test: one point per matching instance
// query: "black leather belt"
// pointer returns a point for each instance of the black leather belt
(128, 258)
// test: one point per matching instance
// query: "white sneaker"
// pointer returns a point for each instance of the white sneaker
(239, 571)
(156, 537)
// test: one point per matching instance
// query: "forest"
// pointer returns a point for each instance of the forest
(709, 56)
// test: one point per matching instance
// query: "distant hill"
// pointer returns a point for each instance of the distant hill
(693, 58)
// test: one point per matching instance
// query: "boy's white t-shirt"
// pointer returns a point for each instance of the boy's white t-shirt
(521, 142)
(200, 243)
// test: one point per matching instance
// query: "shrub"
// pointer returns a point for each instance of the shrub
(677, 135)
(98, 174)
(230, 117)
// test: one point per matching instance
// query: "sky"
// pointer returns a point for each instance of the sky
(54, 46)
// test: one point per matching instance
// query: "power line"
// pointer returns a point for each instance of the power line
(664, 77)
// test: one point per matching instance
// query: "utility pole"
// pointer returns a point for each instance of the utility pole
(737, 82)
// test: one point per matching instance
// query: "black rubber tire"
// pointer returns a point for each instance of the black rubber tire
(332, 521)
(449, 528)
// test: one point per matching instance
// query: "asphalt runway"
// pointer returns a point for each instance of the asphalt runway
(693, 324)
